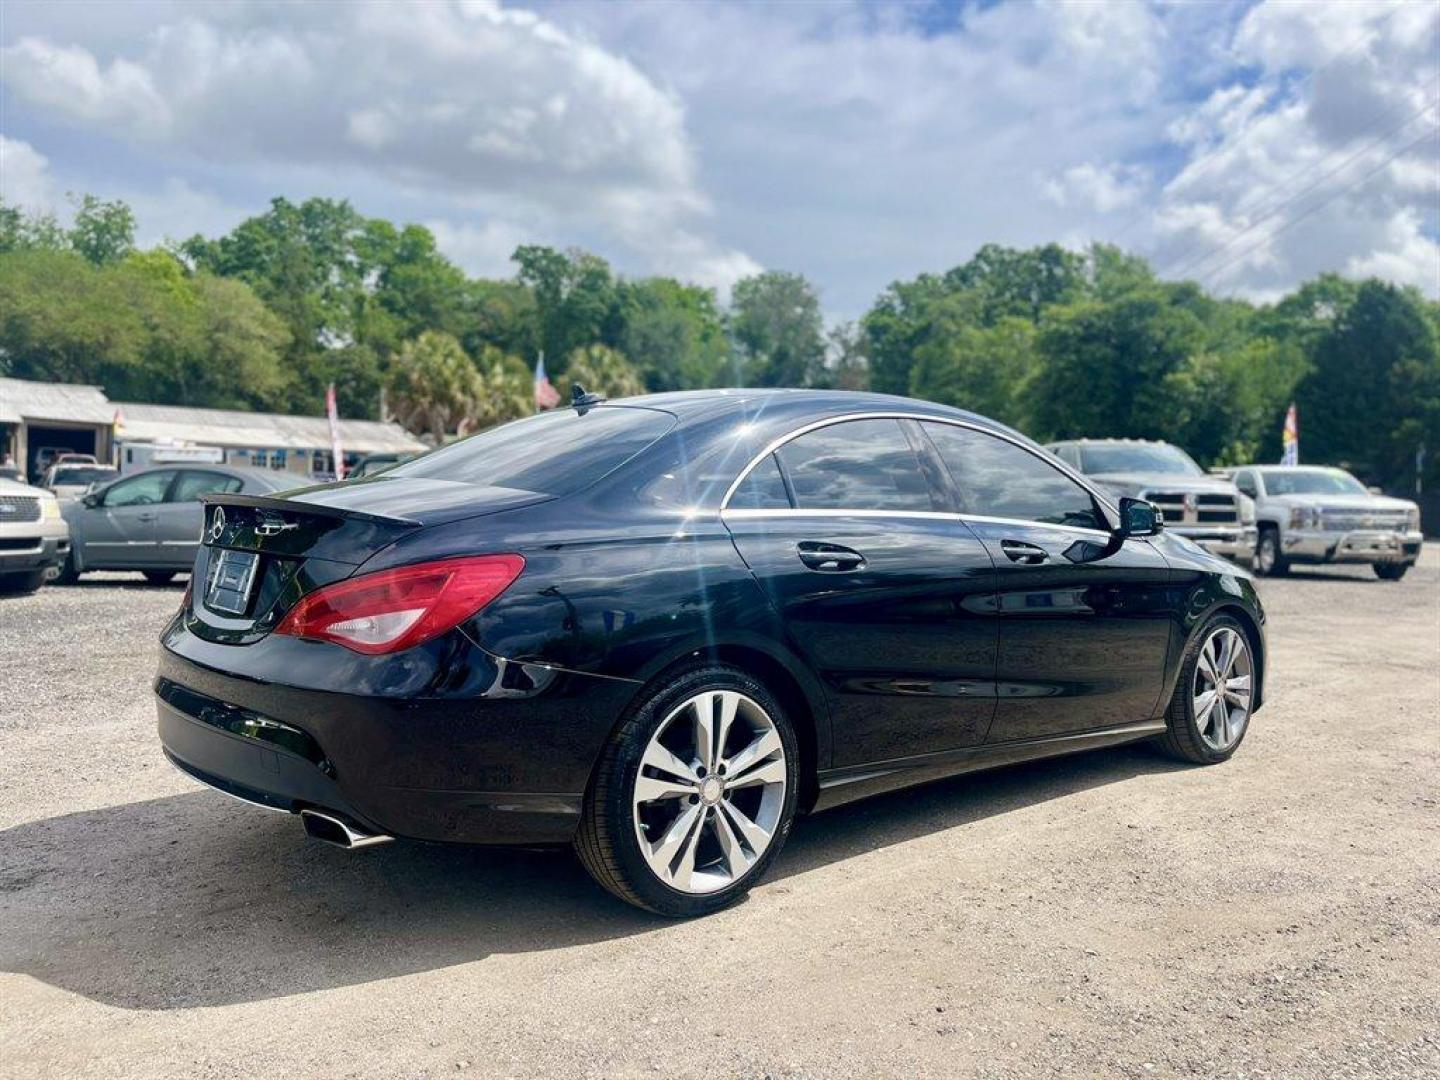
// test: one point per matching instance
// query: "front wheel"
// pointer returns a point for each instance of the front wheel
(1390, 571)
(694, 794)
(1268, 561)
(1210, 710)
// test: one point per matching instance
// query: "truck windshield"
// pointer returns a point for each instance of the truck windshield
(1311, 482)
(1161, 458)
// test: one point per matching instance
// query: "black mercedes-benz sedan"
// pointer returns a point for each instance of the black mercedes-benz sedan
(657, 629)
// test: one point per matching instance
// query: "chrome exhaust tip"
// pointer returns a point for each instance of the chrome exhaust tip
(332, 830)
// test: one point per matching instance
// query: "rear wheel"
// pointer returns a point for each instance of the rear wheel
(694, 795)
(19, 584)
(159, 577)
(1268, 560)
(1390, 571)
(1210, 710)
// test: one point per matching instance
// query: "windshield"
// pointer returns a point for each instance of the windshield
(83, 474)
(555, 453)
(1312, 482)
(1137, 458)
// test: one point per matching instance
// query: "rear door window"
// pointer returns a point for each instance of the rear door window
(856, 465)
(996, 478)
(762, 489)
(554, 453)
(194, 483)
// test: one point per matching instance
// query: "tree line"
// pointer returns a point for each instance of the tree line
(1058, 343)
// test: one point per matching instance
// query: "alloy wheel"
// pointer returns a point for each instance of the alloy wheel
(710, 791)
(1222, 688)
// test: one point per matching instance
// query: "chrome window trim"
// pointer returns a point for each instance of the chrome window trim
(751, 513)
(1052, 460)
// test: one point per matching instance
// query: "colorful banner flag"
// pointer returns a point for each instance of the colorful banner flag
(546, 396)
(1290, 438)
(334, 416)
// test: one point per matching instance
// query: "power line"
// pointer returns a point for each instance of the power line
(1213, 276)
(1186, 264)
(1360, 39)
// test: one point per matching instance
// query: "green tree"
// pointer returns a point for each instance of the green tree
(777, 328)
(1104, 366)
(601, 370)
(576, 300)
(847, 365)
(103, 232)
(674, 334)
(434, 388)
(508, 391)
(984, 369)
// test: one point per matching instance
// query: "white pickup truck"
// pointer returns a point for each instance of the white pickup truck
(1314, 514)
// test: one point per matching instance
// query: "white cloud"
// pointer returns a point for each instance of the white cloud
(493, 107)
(25, 176)
(1102, 188)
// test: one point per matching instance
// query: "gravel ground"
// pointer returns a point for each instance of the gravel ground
(1105, 914)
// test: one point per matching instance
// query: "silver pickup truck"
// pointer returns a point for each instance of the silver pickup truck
(1207, 509)
(1311, 514)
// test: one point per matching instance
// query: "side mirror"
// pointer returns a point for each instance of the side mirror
(1139, 518)
(91, 499)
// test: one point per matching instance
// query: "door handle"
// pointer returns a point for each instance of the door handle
(1029, 554)
(145, 517)
(818, 555)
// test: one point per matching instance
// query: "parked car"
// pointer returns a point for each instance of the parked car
(70, 481)
(1311, 514)
(657, 629)
(150, 520)
(1207, 509)
(55, 455)
(33, 536)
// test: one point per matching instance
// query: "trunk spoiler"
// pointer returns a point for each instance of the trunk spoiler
(295, 506)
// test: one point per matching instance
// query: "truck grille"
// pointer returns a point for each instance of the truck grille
(1351, 520)
(1192, 508)
(19, 508)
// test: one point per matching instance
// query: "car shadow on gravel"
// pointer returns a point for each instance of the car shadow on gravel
(192, 900)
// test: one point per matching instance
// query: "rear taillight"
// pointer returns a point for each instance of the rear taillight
(391, 610)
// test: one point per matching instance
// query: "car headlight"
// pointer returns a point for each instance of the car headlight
(1304, 517)
(50, 509)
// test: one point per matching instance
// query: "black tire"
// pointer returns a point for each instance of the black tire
(159, 577)
(1268, 561)
(68, 575)
(606, 842)
(1390, 571)
(23, 583)
(1182, 736)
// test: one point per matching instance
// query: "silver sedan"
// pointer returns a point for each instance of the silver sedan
(150, 520)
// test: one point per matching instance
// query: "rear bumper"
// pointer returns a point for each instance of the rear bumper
(489, 765)
(1352, 547)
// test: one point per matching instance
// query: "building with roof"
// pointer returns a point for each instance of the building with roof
(39, 420)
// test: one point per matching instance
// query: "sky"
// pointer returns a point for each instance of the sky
(1248, 146)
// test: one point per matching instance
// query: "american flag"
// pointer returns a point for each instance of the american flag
(546, 396)
(1290, 438)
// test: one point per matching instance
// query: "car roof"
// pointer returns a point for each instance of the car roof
(1110, 441)
(780, 404)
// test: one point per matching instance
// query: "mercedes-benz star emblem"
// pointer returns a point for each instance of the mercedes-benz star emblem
(217, 523)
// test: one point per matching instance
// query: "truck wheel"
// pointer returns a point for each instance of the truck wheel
(1390, 571)
(22, 583)
(1268, 560)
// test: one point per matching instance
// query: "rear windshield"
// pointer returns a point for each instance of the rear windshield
(554, 453)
